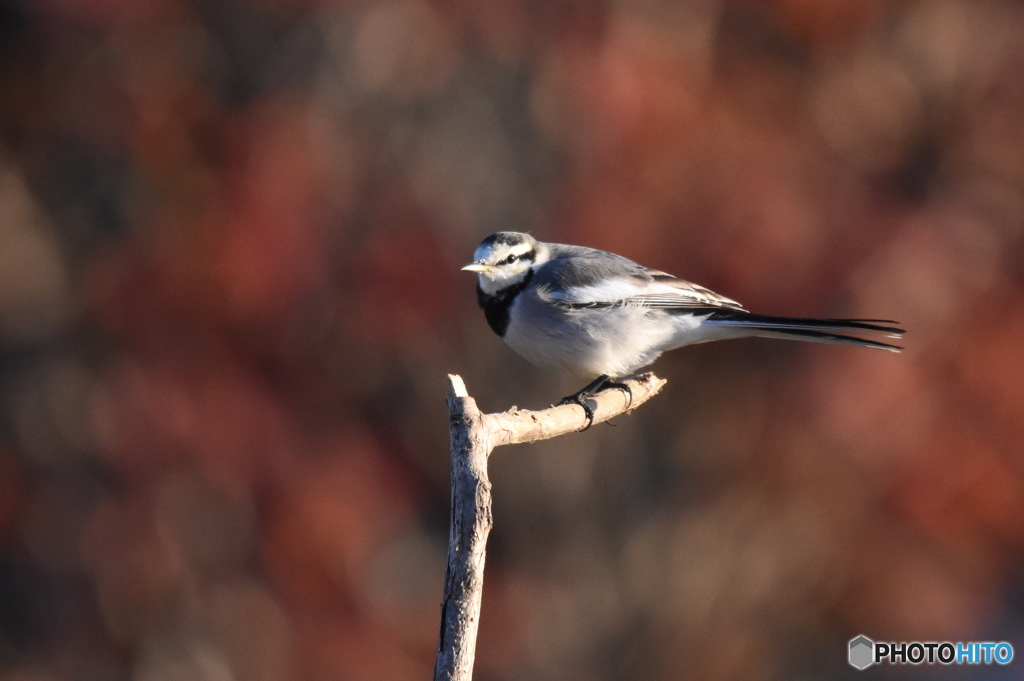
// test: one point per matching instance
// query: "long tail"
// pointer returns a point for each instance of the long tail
(816, 330)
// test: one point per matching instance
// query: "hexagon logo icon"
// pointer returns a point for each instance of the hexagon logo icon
(862, 652)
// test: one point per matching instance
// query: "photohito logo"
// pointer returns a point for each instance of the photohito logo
(863, 652)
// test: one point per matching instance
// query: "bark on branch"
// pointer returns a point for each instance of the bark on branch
(473, 436)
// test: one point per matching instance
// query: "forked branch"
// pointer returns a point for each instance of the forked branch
(473, 436)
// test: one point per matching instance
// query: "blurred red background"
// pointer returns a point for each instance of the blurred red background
(230, 234)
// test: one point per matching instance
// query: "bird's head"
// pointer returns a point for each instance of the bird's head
(504, 259)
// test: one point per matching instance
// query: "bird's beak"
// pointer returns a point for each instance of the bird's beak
(477, 267)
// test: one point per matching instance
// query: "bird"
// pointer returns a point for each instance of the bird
(596, 315)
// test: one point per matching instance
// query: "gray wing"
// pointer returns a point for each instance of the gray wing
(578, 277)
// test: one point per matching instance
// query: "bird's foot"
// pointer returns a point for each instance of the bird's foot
(580, 398)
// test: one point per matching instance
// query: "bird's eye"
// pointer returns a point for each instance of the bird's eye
(511, 259)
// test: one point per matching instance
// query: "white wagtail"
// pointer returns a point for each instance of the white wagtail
(591, 313)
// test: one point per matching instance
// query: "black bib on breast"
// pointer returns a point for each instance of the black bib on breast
(496, 306)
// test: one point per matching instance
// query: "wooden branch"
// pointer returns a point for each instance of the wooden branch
(520, 425)
(473, 436)
(467, 536)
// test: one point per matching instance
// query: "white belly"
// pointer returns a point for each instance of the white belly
(614, 341)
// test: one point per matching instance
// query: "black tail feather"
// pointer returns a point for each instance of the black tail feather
(826, 337)
(821, 330)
